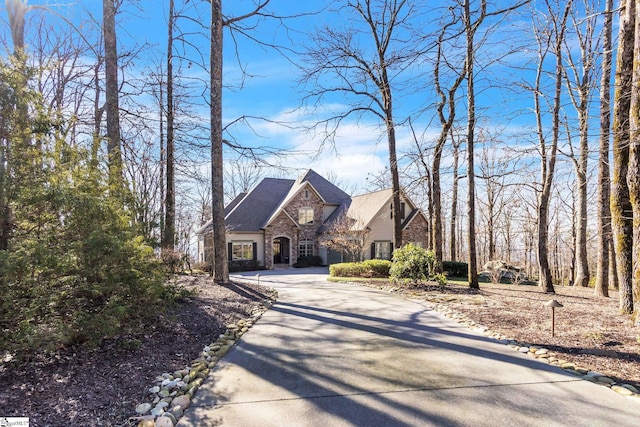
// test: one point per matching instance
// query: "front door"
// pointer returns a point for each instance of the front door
(281, 250)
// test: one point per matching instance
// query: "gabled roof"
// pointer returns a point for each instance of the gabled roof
(251, 212)
(328, 192)
(364, 208)
(331, 194)
(234, 203)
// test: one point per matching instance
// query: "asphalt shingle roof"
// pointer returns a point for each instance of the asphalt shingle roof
(251, 212)
(258, 205)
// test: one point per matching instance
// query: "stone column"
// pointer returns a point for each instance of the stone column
(268, 248)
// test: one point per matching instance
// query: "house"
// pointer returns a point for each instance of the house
(281, 220)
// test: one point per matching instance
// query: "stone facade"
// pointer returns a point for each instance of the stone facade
(416, 231)
(282, 226)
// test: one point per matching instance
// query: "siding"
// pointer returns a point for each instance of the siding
(252, 237)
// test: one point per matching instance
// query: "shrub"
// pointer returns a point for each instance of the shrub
(173, 261)
(205, 267)
(455, 268)
(308, 261)
(413, 263)
(242, 265)
(347, 269)
(77, 272)
(376, 267)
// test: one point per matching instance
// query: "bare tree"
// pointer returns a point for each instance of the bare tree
(455, 140)
(218, 22)
(633, 176)
(471, 27)
(494, 170)
(621, 207)
(346, 235)
(446, 109)
(580, 76)
(364, 63)
(549, 36)
(220, 266)
(241, 174)
(472, 21)
(604, 180)
(169, 231)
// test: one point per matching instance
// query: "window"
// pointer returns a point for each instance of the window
(306, 194)
(305, 216)
(242, 251)
(382, 250)
(305, 248)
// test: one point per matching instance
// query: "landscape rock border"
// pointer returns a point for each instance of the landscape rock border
(172, 392)
(441, 303)
(542, 354)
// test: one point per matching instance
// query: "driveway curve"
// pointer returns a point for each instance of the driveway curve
(334, 354)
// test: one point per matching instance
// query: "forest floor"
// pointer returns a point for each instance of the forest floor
(102, 387)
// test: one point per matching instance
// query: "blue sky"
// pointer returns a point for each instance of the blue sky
(271, 90)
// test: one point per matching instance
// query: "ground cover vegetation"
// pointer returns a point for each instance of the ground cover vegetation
(75, 386)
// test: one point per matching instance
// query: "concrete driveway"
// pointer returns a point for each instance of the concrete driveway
(333, 354)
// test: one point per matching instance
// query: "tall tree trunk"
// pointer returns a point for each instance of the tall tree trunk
(580, 93)
(436, 193)
(387, 99)
(633, 176)
(582, 261)
(446, 101)
(395, 180)
(454, 203)
(621, 209)
(98, 113)
(170, 196)
(470, 30)
(5, 211)
(604, 184)
(111, 95)
(549, 154)
(220, 265)
(163, 161)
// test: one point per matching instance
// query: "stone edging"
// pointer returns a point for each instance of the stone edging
(542, 354)
(171, 394)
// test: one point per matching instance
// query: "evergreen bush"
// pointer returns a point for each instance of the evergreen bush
(308, 261)
(75, 272)
(413, 263)
(378, 268)
(455, 268)
(347, 269)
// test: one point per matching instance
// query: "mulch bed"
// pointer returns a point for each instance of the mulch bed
(102, 387)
